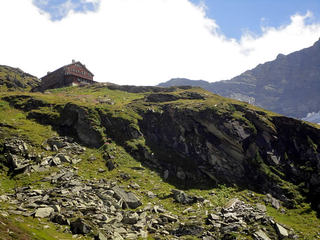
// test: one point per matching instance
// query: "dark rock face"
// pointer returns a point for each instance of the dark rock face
(76, 119)
(233, 151)
(161, 97)
(288, 85)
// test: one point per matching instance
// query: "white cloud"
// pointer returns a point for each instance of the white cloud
(140, 42)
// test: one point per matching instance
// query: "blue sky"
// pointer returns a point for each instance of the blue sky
(234, 17)
(145, 42)
(238, 16)
(58, 9)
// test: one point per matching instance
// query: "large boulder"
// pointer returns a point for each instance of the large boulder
(44, 212)
(182, 197)
(130, 200)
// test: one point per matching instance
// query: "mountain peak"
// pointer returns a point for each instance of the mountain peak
(289, 85)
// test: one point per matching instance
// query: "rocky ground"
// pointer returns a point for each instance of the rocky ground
(126, 162)
(105, 209)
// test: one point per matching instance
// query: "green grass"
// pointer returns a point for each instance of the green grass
(29, 228)
(20, 125)
(303, 220)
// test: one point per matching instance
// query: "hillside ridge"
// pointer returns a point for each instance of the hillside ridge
(105, 161)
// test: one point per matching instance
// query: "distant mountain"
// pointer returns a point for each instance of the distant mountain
(289, 85)
(14, 79)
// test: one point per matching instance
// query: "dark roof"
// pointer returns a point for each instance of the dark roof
(81, 65)
(70, 65)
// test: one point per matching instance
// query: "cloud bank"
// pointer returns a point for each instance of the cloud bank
(141, 42)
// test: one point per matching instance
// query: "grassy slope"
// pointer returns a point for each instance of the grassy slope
(15, 123)
(14, 79)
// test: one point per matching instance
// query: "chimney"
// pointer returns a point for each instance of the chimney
(73, 61)
(48, 73)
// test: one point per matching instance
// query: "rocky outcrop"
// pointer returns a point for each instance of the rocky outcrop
(77, 121)
(244, 151)
(14, 79)
(80, 122)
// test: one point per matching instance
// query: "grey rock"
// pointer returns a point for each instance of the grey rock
(182, 197)
(60, 219)
(166, 174)
(101, 170)
(208, 238)
(150, 194)
(193, 229)
(274, 202)
(4, 198)
(111, 165)
(131, 236)
(170, 218)
(158, 209)
(261, 207)
(135, 186)
(63, 157)
(56, 161)
(281, 231)
(120, 230)
(46, 147)
(16, 146)
(125, 176)
(140, 224)
(130, 218)
(45, 161)
(261, 235)
(75, 160)
(100, 236)
(128, 197)
(92, 158)
(44, 212)
(273, 159)
(17, 162)
(56, 208)
(214, 217)
(231, 204)
(143, 234)
(117, 236)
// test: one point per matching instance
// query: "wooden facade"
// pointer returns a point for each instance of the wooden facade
(74, 74)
